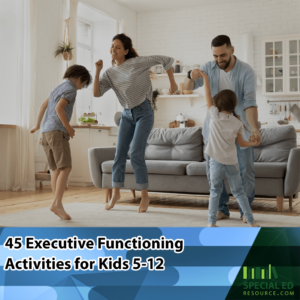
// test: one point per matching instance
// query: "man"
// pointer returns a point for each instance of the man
(228, 72)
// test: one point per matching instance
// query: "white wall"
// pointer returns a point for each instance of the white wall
(186, 35)
(117, 12)
(8, 61)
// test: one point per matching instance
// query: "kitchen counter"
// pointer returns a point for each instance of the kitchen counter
(93, 127)
(7, 126)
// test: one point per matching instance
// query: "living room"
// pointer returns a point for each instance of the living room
(264, 34)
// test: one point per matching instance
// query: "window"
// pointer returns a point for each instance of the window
(94, 35)
(84, 58)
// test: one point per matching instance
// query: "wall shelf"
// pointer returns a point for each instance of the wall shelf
(179, 96)
(175, 75)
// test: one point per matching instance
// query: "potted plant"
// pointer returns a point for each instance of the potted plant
(65, 50)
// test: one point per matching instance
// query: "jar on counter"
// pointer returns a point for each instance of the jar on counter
(159, 69)
(177, 67)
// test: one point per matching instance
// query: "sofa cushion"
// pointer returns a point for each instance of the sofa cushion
(262, 170)
(182, 144)
(153, 166)
(196, 169)
(270, 170)
(276, 144)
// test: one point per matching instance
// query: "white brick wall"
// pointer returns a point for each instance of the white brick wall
(186, 35)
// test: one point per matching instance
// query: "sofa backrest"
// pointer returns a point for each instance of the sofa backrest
(185, 144)
(276, 144)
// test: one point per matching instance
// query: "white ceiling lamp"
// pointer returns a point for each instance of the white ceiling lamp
(248, 52)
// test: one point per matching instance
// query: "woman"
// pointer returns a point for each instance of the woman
(129, 78)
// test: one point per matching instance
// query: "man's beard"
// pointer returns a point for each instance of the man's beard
(226, 66)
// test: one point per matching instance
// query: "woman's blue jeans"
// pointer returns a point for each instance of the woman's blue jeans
(134, 129)
(218, 172)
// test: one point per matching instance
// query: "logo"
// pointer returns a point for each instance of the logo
(259, 273)
(266, 282)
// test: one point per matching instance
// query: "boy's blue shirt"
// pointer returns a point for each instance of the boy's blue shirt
(66, 90)
(244, 81)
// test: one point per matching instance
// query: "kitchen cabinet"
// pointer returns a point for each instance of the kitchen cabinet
(298, 138)
(80, 165)
(281, 63)
(84, 139)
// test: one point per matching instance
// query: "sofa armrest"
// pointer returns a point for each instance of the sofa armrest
(96, 157)
(292, 176)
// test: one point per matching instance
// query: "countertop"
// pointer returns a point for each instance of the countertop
(7, 126)
(93, 127)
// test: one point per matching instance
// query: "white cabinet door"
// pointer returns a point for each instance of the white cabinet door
(293, 66)
(79, 151)
(101, 138)
(274, 69)
(298, 139)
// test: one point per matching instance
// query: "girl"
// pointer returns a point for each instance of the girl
(224, 129)
(129, 78)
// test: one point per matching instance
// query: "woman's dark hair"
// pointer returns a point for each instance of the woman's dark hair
(77, 71)
(127, 44)
(221, 40)
(226, 100)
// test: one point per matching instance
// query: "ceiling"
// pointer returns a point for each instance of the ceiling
(155, 5)
(90, 14)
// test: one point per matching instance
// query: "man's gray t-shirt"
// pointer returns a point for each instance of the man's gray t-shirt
(66, 90)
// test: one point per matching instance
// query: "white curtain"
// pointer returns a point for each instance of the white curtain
(25, 86)
(72, 38)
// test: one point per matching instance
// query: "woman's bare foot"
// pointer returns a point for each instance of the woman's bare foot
(144, 204)
(116, 196)
(211, 225)
(59, 211)
(255, 225)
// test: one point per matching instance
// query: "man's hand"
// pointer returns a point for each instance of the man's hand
(34, 129)
(203, 75)
(255, 137)
(173, 88)
(196, 73)
(99, 65)
(70, 131)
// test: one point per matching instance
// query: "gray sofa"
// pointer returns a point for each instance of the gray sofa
(176, 164)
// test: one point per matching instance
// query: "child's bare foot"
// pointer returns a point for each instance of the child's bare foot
(144, 204)
(211, 225)
(221, 216)
(59, 211)
(244, 219)
(113, 200)
(255, 225)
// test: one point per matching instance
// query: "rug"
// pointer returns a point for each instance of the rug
(94, 215)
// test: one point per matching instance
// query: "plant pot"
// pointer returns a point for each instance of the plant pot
(67, 55)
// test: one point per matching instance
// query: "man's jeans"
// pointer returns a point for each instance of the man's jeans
(246, 166)
(135, 126)
(218, 172)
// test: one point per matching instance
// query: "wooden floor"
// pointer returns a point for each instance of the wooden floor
(12, 202)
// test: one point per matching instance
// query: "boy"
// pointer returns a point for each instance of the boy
(56, 131)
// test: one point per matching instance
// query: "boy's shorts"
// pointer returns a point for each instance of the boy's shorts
(57, 149)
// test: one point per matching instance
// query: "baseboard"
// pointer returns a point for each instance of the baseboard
(285, 199)
(85, 184)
